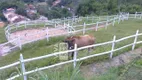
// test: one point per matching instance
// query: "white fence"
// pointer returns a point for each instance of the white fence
(67, 24)
(22, 61)
(113, 42)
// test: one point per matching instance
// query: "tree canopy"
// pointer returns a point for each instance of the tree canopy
(71, 7)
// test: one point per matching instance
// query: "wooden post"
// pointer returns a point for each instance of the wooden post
(75, 55)
(97, 26)
(135, 40)
(47, 35)
(23, 70)
(19, 43)
(84, 26)
(113, 46)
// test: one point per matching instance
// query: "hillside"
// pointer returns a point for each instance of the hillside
(66, 8)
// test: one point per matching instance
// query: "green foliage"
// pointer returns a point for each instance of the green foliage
(100, 7)
(12, 3)
(68, 73)
(54, 12)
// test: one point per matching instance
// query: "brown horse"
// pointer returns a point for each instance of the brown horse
(81, 41)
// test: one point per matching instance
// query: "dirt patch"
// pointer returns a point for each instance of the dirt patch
(99, 68)
(36, 34)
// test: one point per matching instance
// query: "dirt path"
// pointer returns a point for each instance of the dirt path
(98, 68)
(35, 34)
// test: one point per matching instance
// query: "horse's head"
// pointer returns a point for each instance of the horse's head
(70, 41)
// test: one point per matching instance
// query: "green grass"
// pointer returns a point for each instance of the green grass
(130, 71)
(2, 35)
(43, 47)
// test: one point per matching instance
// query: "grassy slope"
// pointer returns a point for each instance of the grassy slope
(2, 35)
(42, 47)
(131, 71)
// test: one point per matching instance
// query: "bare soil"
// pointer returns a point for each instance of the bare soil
(35, 34)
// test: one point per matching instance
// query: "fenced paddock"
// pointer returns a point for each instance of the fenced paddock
(113, 49)
(26, 32)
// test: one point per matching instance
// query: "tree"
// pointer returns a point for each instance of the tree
(12, 3)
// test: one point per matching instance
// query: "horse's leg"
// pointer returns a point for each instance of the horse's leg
(89, 50)
(70, 53)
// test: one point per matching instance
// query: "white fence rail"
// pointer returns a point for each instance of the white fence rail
(71, 28)
(22, 61)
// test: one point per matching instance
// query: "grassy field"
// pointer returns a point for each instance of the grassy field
(43, 47)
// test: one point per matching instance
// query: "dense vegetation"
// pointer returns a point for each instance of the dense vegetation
(71, 7)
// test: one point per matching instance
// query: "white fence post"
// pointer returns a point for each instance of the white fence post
(55, 25)
(113, 21)
(47, 35)
(113, 45)
(119, 19)
(135, 14)
(97, 26)
(135, 40)
(19, 43)
(68, 28)
(22, 67)
(75, 55)
(106, 24)
(128, 16)
(141, 16)
(87, 18)
(84, 26)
